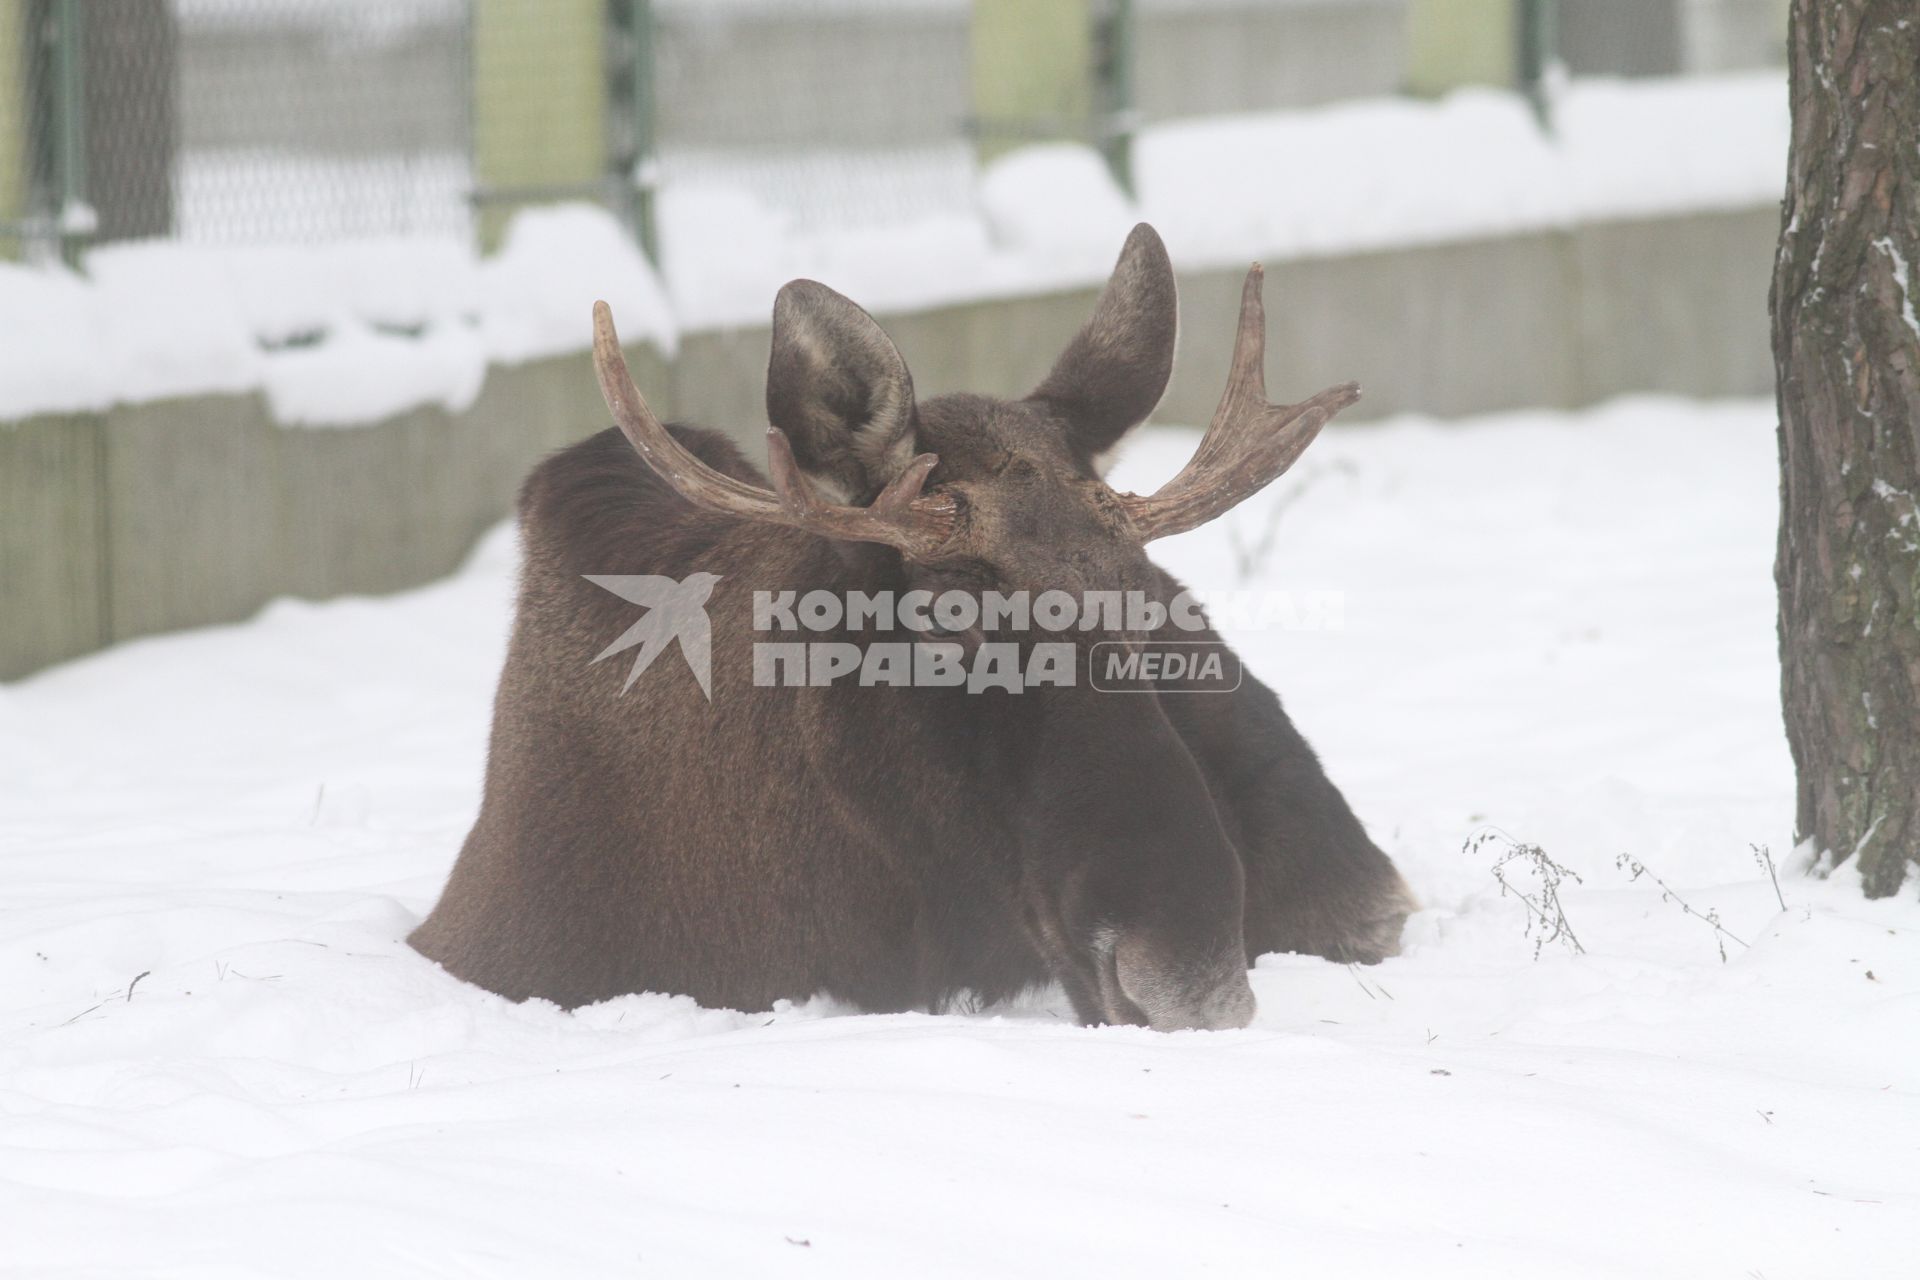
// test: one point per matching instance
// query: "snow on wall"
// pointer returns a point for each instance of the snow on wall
(1226, 189)
(332, 334)
(357, 331)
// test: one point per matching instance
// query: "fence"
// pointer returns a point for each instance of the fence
(161, 502)
(246, 121)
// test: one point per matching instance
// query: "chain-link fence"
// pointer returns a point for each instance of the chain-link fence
(311, 119)
(236, 120)
(300, 120)
(837, 112)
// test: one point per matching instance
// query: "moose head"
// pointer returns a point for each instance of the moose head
(851, 452)
(1128, 847)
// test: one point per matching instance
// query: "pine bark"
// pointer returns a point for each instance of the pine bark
(1846, 344)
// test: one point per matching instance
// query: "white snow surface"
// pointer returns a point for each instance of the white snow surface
(334, 334)
(1224, 189)
(356, 331)
(218, 1058)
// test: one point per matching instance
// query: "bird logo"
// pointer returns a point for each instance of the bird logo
(676, 610)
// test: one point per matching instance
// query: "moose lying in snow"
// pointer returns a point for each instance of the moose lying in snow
(894, 846)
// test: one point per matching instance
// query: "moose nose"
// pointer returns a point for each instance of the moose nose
(1185, 994)
(1227, 1007)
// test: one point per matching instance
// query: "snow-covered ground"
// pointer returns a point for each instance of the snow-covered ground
(218, 1058)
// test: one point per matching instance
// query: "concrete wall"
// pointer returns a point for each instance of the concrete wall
(180, 513)
(1558, 318)
(52, 542)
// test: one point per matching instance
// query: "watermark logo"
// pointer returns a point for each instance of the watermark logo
(1113, 641)
(676, 611)
(1164, 666)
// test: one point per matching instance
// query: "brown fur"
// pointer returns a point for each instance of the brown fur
(890, 846)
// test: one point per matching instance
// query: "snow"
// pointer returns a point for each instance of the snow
(1902, 277)
(333, 334)
(380, 332)
(218, 1058)
(1473, 164)
(1060, 204)
(1224, 189)
(554, 264)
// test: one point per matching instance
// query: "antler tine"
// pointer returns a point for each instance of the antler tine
(795, 491)
(1246, 377)
(691, 478)
(1249, 443)
(905, 490)
(902, 516)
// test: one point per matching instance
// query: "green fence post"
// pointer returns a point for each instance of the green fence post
(13, 129)
(1451, 43)
(539, 106)
(1539, 38)
(73, 219)
(632, 77)
(1033, 65)
(1113, 72)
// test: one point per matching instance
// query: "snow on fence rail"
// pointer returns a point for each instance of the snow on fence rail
(359, 331)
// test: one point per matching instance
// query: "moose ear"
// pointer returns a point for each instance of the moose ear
(837, 386)
(1115, 370)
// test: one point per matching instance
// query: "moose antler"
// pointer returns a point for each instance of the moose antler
(1248, 443)
(902, 516)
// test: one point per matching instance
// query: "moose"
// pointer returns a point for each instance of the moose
(895, 847)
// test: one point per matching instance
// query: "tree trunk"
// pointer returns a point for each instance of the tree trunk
(1846, 345)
